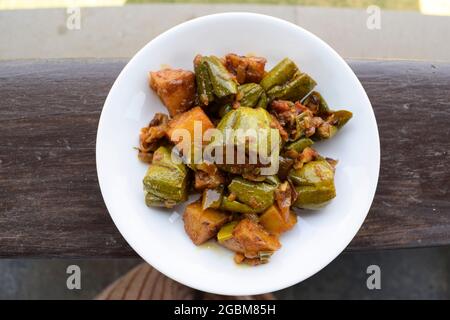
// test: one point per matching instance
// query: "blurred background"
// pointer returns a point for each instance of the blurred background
(357, 29)
(368, 29)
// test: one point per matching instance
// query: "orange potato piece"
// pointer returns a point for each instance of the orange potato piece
(273, 221)
(202, 225)
(186, 120)
(175, 88)
(250, 238)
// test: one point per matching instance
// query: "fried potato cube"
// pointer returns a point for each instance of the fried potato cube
(187, 120)
(202, 225)
(175, 88)
(274, 223)
(250, 238)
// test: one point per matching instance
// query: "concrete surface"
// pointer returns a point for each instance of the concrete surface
(121, 31)
(405, 274)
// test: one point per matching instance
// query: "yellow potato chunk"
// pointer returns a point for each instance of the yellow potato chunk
(273, 221)
(175, 88)
(250, 238)
(187, 121)
(202, 225)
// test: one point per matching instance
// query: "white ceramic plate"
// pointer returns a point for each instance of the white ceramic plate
(157, 235)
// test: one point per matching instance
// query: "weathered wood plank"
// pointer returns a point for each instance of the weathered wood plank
(411, 101)
(50, 202)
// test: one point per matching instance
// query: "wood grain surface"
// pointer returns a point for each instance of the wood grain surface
(50, 202)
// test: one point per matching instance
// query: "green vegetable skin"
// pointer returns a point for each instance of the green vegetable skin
(273, 180)
(342, 117)
(222, 83)
(252, 95)
(314, 183)
(165, 183)
(299, 145)
(286, 82)
(246, 118)
(204, 86)
(235, 206)
(257, 195)
(295, 89)
(262, 102)
(279, 74)
(226, 232)
(300, 130)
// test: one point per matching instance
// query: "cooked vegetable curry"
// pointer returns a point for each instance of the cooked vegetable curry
(241, 208)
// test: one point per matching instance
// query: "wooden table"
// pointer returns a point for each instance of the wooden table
(50, 201)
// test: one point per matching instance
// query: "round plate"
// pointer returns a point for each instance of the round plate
(158, 235)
